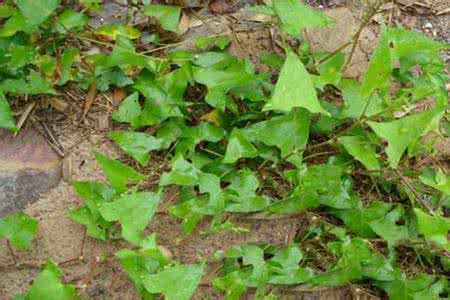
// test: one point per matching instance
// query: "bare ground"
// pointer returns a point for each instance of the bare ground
(89, 264)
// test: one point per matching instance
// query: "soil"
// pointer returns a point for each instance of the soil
(88, 263)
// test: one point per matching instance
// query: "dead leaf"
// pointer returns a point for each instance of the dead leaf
(58, 104)
(118, 95)
(220, 7)
(89, 99)
(213, 117)
(184, 24)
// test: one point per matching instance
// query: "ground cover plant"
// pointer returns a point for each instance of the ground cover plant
(299, 139)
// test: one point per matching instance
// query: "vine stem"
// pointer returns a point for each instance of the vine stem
(8, 244)
(330, 55)
(368, 15)
(414, 191)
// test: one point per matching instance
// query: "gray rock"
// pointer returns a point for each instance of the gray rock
(110, 13)
(28, 167)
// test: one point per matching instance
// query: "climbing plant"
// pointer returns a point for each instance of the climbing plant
(249, 142)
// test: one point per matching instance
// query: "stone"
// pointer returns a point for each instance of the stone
(333, 36)
(28, 167)
(110, 13)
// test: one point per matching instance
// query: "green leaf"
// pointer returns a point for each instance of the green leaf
(163, 282)
(380, 67)
(136, 144)
(6, 117)
(330, 190)
(295, 16)
(421, 287)
(356, 261)
(21, 56)
(403, 132)
(13, 25)
(128, 110)
(358, 219)
(112, 76)
(48, 286)
(68, 57)
(125, 54)
(361, 149)
(118, 174)
(191, 136)
(288, 132)
(134, 212)
(34, 85)
(94, 194)
(163, 97)
(170, 131)
(355, 105)
(93, 5)
(238, 147)
(434, 228)
(409, 42)
(387, 227)
(36, 11)
(182, 173)
(203, 42)
(6, 10)
(139, 264)
(412, 48)
(261, 9)
(113, 31)
(241, 193)
(94, 227)
(187, 209)
(294, 88)
(438, 180)
(70, 20)
(272, 60)
(227, 74)
(251, 255)
(167, 15)
(19, 229)
(284, 267)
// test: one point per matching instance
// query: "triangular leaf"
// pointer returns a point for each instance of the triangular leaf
(19, 229)
(163, 282)
(136, 144)
(294, 88)
(238, 147)
(296, 16)
(134, 212)
(36, 11)
(403, 132)
(361, 149)
(167, 15)
(48, 286)
(288, 132)
(434, 228)
(380, 67)
(118, 174)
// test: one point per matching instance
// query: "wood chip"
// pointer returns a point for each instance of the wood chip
(24, 116)
(443, 12)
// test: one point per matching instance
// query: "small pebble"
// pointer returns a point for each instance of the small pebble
(428, 25)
